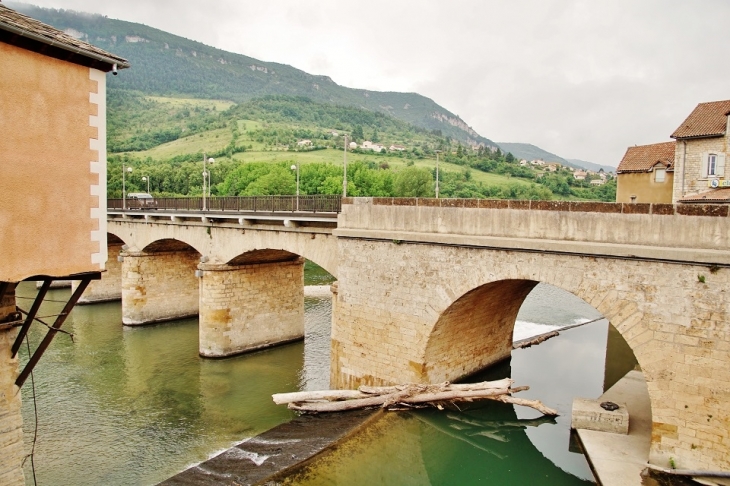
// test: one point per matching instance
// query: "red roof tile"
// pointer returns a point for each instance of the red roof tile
(707, 120)
(714, 195)
(642, 158)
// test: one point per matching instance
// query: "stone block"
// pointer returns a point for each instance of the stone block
(588, 414)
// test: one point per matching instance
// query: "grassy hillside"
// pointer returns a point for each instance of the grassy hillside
(168, 65)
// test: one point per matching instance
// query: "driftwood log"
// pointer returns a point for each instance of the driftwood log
(407, 396)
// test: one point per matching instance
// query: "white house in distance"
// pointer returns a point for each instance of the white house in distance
(375, 147)
(396, 148)
(304, 143)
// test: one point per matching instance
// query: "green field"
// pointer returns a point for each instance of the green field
(217, 105)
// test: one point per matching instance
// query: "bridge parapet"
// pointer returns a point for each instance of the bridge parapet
(679, 233)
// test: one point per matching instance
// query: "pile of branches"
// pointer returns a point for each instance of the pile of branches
(400, 397)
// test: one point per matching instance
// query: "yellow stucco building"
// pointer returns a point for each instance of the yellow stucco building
(646, 174)
(52, 184)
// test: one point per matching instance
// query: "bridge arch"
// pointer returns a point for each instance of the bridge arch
(476, 329)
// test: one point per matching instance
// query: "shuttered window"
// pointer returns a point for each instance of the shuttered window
(713, 165)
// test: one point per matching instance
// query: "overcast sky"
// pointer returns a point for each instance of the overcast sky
(581, 79)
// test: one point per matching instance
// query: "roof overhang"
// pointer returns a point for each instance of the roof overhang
(17, 36)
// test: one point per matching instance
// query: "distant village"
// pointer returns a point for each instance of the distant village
(595, 178)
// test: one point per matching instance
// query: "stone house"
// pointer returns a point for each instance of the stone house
(646, 174)
(52, 185)
(701, 174)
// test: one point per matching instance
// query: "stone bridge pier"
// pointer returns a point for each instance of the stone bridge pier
(159, 285)
(250, 306)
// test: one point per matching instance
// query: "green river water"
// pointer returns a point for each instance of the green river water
(133, 406)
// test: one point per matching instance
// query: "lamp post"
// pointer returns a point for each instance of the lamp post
(296, 167)
(205, 174)
(124, 185)
(437, 173)
(147, 179)
(344, 172)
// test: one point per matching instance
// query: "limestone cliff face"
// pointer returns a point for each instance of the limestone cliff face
(455, 121)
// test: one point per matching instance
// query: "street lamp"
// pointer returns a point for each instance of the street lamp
(344, 171)
(296, 168)
(437, 173)
(147, 179)
(205, 174)
(124, 186)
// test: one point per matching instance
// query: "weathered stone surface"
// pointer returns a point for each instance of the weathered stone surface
(551, 205)
(494, 203)
(664, 209)
(159, 286)
(703, 210)
(638, 208)
(11, 420)
(429, 202)
(438, 304)
(595, 207)
(267, 457)
(248, 307)
(588, 414)
(452, 203)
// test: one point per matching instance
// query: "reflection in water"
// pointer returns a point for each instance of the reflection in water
(127, 406)
(488, 442)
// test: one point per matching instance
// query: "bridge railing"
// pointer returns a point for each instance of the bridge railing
(311, 204)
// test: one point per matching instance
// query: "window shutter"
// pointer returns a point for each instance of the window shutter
(721, 165)
(703, 165)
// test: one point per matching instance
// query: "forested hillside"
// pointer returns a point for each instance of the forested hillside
(165, 64)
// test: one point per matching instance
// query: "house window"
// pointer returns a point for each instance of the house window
(711, 164)
(660, 175)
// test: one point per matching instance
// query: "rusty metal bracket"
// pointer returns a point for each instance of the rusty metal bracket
(60, 319)
(31, 315)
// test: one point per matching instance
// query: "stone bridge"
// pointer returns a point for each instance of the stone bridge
(428, 290)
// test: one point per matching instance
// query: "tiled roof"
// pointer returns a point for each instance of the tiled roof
(707, 120)
(642, 158)
(715, 195)
(17, 28)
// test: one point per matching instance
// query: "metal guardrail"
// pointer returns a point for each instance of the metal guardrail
(309, 204)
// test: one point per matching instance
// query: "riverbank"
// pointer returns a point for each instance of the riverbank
(272, 454)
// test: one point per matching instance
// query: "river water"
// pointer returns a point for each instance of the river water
(128, 406)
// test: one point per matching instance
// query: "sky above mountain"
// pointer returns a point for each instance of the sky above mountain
(583, 79)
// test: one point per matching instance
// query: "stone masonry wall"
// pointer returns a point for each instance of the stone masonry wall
(394, 297)
(687, 173)
(110, 285)
(11, 420)
(159, 286)
(249, 307)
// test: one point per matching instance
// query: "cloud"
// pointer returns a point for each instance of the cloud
(583, 79)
